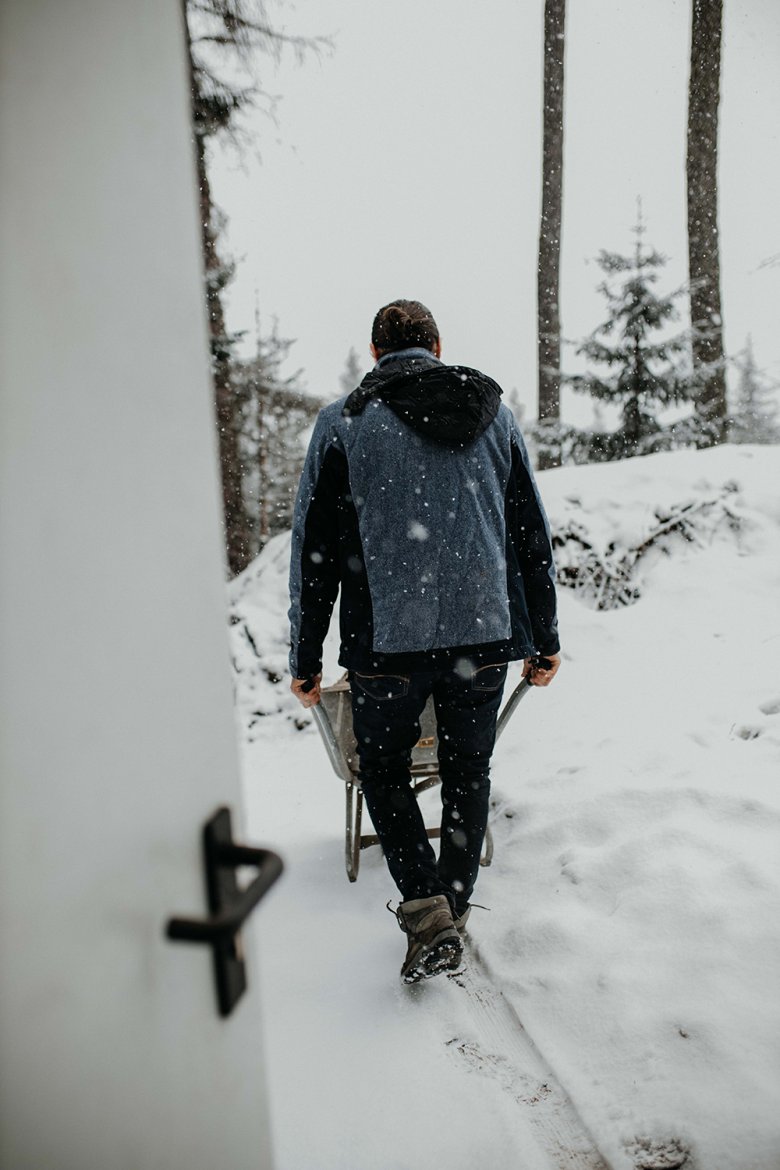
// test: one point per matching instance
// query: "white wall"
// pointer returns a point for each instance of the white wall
(117, 730)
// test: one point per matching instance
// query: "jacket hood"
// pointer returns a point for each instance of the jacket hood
(452, 405)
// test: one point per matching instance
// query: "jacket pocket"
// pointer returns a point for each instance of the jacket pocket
(489, 678)
(382, 687)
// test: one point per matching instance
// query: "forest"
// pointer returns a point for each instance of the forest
(656, 357)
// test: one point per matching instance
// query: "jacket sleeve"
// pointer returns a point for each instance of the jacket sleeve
(531, 543)
(314, 561)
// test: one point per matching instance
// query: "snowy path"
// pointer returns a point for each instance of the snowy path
(375, 1073)
(367, 1074)
(498, 1045)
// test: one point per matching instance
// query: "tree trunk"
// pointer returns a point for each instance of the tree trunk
(703, 254)
(235, 519)
(548, 272)
(632, 419)
(263, 431)
(236, 522)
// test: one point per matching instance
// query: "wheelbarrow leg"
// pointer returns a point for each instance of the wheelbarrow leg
(487, 856)
(354, 818)
(354, 842)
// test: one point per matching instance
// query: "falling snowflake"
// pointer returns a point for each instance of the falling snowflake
(417, 531)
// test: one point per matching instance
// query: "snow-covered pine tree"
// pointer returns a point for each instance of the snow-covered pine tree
(274, 413)
(352, 374)
(755, 415)
(645, 369)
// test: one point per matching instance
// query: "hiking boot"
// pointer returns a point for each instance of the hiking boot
(434, 943)
(460, 920)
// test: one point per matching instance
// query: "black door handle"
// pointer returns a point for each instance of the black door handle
(230, 920)
(230, 905)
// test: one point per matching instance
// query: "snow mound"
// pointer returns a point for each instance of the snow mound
(259, 639)
(635, 887)
(618, 502)
(610, 529)
(638, 826)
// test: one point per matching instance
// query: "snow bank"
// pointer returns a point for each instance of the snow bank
(637, 827)
(635, 891)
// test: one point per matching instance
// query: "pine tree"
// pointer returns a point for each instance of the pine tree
(645, 368)
(272, 415)
(755, 415)
(352, 374)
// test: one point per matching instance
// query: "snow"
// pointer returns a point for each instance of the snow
(634, 893)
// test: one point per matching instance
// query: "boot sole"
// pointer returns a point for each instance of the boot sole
(439, 957)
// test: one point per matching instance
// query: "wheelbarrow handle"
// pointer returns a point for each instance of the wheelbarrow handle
(520, 691)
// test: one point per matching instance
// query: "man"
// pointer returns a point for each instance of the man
(417, 500)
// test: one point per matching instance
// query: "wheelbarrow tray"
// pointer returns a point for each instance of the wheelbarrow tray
(333, 718)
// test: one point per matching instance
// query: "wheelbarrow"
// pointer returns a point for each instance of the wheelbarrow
(333, 717)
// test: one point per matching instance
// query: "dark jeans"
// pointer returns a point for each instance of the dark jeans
(386, 713)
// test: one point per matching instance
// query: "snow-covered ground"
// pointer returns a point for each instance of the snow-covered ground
(635, 891)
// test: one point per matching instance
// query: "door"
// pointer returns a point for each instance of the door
(117, 736)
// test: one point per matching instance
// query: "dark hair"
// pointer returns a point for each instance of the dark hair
(403, 324)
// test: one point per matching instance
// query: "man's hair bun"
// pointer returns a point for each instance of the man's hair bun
(403, 325)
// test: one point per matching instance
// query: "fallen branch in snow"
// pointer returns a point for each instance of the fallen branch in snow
(608, 580)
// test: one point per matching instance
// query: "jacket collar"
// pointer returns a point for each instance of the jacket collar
(397, 355)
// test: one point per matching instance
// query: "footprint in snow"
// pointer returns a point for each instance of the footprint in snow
(746, 730)
(770, 706)
(652, 1154)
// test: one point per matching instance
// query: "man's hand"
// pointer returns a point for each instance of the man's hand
(307, 690)
(542, 670)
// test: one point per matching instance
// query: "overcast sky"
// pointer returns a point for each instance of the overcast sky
(406, 163)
